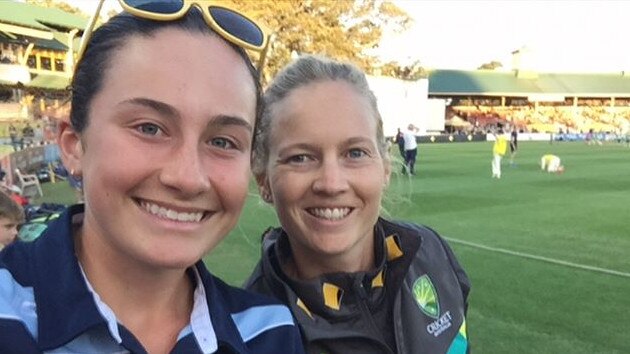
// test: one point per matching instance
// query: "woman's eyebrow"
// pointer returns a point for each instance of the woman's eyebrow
(225, 120)
(167, 110)
(160, 107)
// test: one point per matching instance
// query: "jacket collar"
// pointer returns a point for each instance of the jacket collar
(338, 294)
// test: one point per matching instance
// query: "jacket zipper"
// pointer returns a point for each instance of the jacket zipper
(365, 310)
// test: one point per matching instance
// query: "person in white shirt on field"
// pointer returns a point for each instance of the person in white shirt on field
(411, 149)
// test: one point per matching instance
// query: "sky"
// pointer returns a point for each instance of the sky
(560, 35)
(567, 36)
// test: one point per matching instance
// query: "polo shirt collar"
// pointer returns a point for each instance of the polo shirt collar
(226, 332)
(200, 325)
(65, 307)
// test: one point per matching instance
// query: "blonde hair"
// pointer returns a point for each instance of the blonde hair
(303, 71)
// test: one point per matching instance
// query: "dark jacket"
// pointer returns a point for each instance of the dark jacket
(415, 301)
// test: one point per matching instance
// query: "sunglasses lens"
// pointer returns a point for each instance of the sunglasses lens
(237, 25)
(156, 6)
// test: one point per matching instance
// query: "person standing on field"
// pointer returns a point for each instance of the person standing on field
(513, 145)
(400, 141)
(411, 149)
(498, 151)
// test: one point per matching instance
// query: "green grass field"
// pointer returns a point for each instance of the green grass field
(518, 304)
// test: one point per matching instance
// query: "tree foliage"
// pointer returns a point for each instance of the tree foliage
(490, 65)
(413, 71)
(341, 29)
(59, 4)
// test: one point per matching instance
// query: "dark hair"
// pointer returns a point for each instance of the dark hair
(110, 37)
(10, 209)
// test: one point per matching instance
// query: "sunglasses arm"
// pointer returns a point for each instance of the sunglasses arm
(88, 32)
(262, 60)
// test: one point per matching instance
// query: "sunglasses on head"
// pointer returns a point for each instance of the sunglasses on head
(229, 24)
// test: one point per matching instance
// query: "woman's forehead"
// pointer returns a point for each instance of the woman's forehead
(327, 110)
(196, 70)
(324, 98)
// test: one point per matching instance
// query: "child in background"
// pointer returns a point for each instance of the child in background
(11, 216)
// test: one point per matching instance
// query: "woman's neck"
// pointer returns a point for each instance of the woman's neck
(306, 265)
(154, 304)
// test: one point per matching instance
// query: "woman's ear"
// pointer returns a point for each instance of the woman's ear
(263, 188)
(70, 146)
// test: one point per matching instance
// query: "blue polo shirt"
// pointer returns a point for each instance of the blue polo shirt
(47, 305)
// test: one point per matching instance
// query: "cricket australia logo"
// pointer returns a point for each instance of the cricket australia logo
(427, 299)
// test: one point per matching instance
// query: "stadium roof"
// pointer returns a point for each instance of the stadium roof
(508, 83)
(37, 17)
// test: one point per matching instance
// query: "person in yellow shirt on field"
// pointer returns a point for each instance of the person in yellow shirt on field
(551, 163)
(498, 151)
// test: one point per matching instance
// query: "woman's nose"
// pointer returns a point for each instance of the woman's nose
(185, 170)
(331, 178)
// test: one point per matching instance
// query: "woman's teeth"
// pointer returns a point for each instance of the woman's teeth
(170, 214)
(329, 213)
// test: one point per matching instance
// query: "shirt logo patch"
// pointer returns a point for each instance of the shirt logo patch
(427, 299)
(426, 296)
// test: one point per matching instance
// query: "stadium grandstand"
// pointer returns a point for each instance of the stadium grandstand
(37, 50)
(533, 101)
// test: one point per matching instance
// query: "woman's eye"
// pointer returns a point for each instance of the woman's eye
(298, 158)
(149, 129)
(222, 143)
(356, 153)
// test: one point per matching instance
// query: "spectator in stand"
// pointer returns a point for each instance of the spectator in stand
(28, 134)
(39, 134)
(11, 216)
(15, 139)
(411, 149)
(499, 148)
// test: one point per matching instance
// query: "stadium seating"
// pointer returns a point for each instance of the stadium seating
(550, 119)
